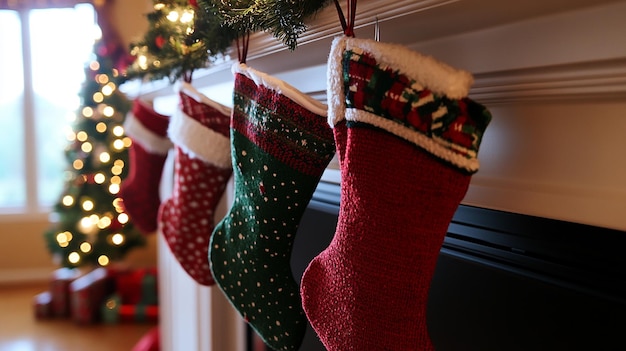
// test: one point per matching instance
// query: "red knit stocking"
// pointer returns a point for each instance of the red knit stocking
(140, 190)
(202, 168)
(399, 190)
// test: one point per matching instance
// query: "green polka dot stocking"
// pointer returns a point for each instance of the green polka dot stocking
(281, 144)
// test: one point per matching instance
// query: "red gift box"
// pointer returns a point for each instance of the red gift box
(43, 305)
(139, 313)
(60, 288)
(114, 311)
(87, 294)
(138, 286)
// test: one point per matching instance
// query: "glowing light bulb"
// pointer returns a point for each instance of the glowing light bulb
(73, 257)
(106, 90)
(86, 147)
(114, 188)
(116, 170)
(64, 238)
(85, 223)
(118, 144)
(127, 142)
(118, 131)
(99, 178)
(123, 218)
(101, 127)
(102, 78)
(116, 180)
(98, 97)
(88, 205)
(81, 136)
(103, 260)
(105, 157)
(108, 111)
(142, 61)
(104, 222)
(94, 65)
(78, 164)
(68, 200)
(85, 247)
(117, 239)
(187, 16)
(159, 6)
(87, 112)
(173, 16)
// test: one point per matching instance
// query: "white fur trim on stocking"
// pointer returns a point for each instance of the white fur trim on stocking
(282, 87)
(427, 71)
(198, 141)
(437, 147)
(150, 141)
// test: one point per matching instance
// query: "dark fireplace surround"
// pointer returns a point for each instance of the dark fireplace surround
(504, 281)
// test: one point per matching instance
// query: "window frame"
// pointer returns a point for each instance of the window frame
(32, 208)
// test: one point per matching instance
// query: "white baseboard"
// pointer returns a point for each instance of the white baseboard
(27, 275)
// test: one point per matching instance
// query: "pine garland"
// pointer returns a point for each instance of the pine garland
(182, 38)
(284, 19)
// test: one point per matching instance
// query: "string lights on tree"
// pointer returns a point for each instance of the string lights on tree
(91, 227)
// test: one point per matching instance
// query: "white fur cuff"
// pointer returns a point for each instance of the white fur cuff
(151, 142)
(199, 141)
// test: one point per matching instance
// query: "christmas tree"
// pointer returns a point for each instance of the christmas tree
(91, 227)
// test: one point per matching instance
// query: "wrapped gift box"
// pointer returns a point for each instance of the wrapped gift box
(60, 288)
(87, 294)
(138, 286)
(114, 311)
(43, 305)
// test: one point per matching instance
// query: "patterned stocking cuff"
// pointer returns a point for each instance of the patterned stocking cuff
(284, 122)
(148, 128)
(413, 96)
(200, 127)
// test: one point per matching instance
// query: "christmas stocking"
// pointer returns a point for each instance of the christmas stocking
(407, 139)
(281, 144)
(202, 168)
(140, 190)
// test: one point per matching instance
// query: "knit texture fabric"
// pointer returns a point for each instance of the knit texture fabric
(201, 171)
(369, 289)
(148, 151)
(279, 152)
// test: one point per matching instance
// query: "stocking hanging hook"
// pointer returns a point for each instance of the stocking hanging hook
(376, 30)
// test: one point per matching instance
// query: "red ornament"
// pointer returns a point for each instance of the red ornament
(193, 3)
(159, 41)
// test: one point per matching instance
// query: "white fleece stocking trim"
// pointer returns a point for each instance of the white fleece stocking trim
(437, 147)
(140, 134)
(426, 71)
(198, 141)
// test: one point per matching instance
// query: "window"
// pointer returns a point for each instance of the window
(42, 58)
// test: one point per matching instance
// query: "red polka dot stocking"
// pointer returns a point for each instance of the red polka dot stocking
(407, 141)
(281, 145)
(200, 132)
(140, 190)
